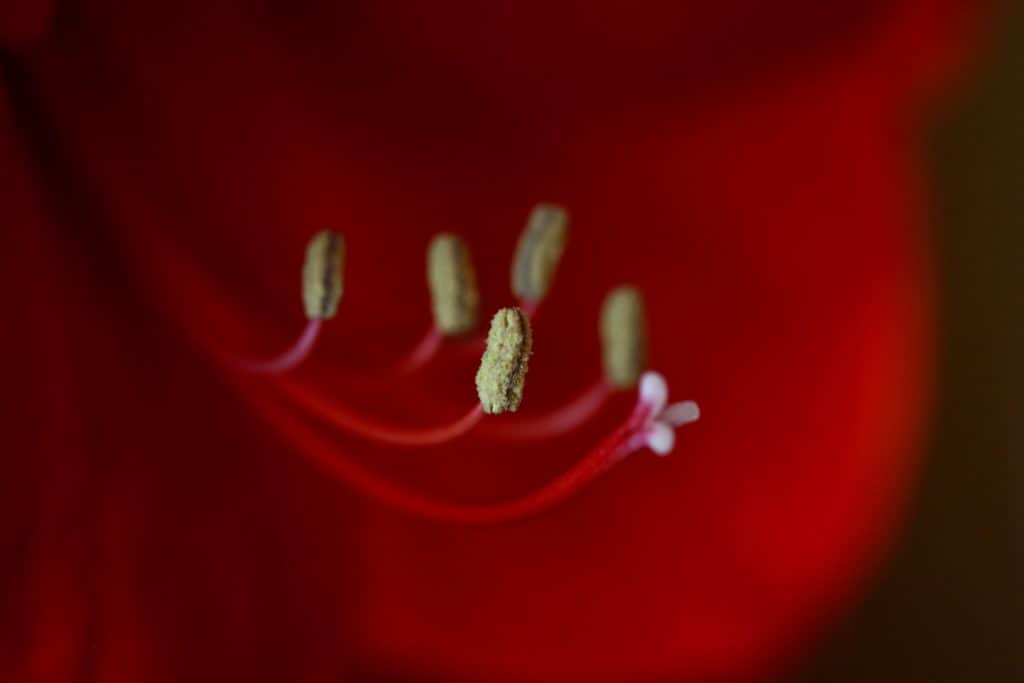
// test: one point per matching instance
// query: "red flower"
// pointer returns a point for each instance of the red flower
(751, 167)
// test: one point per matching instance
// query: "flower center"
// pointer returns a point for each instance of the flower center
(500, 380)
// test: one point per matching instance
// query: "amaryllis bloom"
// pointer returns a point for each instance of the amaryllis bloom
(751, 168)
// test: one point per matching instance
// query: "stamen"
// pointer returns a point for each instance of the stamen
(323, 275)
(455, 300)
(502, 373)
(322, 285)
(452, 283)
(539, 251)
(624, 337)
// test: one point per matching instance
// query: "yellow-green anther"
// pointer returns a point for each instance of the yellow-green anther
(539, 251)
(453, 293)
(323, 275)
(499, 381)
(624, 337)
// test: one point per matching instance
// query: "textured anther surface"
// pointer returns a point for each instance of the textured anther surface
(323, 275)
(502, 373)
(624, 337)
(453, 292)
(539, 251)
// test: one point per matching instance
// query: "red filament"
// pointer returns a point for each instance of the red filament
(560, 421)
(367, 427)
(291, 358)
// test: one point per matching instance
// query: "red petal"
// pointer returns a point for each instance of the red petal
(753, 171)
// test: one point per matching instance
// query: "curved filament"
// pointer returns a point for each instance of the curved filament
(560, 421)
(289, 359)
(367, 427)
(422, 353)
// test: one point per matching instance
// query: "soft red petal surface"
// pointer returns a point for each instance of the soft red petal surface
(753, 169)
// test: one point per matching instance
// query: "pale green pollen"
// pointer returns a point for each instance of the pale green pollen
(624, 337)
(539, 251)
(502, 373)
(453, 291)
(323, 275)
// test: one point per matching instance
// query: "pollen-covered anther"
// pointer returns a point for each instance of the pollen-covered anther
(624, 337)
(453, 292)
(323, 275)
(502, 373)
(656, 430)
(539, 251)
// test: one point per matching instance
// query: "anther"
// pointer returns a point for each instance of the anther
(323, 275)
(624, 337)
(499, 381)
(452, 284)
(539, 251)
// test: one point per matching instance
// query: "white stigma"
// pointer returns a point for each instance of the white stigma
(657, 431)
(679, 414)
(653, 391)
(661, 438)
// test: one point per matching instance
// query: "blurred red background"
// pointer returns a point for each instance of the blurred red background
(759, 171)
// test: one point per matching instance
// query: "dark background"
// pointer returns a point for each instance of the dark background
(948, 604)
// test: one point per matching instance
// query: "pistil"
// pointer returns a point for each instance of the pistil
(635, 433)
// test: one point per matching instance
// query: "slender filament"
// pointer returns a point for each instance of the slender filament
(422, 353)
(340, 415)
(290, 358)
(560, 421)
